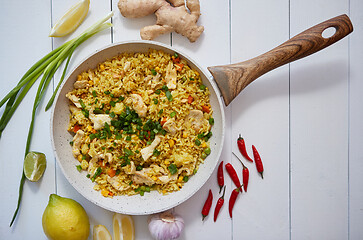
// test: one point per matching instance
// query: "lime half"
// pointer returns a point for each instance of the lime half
(34, 166)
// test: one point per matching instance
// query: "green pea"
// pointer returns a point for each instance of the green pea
(204, 155)
(207, 151)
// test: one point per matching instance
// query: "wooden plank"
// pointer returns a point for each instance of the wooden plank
(319, 130)
(355, 122)
(23, 43)
(97, 10)
(212, 48)
(259, 112)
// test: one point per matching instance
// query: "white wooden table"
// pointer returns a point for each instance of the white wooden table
(305, 118)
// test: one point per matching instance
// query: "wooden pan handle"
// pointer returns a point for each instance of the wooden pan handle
(232, 79)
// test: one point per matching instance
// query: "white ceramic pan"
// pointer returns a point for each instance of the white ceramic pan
(231, 79)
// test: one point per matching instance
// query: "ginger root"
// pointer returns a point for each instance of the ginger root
(171, 15)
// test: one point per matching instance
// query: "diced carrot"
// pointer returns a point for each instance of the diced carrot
(110, 193)
(175, 60)
(190, 99)
(76, 128)
(179, 66)
(205, 108)
(163, 121)
(111, 172)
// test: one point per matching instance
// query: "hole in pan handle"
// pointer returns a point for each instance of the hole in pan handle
(233, 78)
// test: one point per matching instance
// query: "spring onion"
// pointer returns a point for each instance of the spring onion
(47, 66)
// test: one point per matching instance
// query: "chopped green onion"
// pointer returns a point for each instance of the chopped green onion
(112, 115)
(207, 151)
(172, 114)
(107, 92)
(211, 121)
(156, 152)
(79, 168)
(176, 55)
(128, 138)
(202, 87)
(94, 93)
(155, 101)
(185, 178)
(71, 143)
(169, 96)
(97, 173)
(172, 169)
(158, 91)
(112, 103)
(153, 72)
(197, 142)
(139, 168)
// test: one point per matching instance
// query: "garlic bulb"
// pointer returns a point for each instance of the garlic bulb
(166, 226)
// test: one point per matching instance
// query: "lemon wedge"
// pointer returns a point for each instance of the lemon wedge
(34, 165)
(123, 227)
(71, 19)
(100, 232)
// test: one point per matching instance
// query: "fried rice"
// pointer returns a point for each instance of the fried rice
(141, 122)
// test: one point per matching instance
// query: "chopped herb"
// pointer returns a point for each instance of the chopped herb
(85, 113)
(107, 111)
(191, 79)
(200, 135)
(79, 168)
(97, 111)
(165, 88)
(202, 87)
(211, 121)
(112, 115)
(169, 96)
(172, 169)
(161, 111)
(158, 91)
(155, 101)
(195, 171)
(88, 175)
(128, 138)
(137, 151)
(176, 55)
(148, 142)
(172, 114)
(112, 103)
(84, 157)
(139, 168)
(111, 95)
(156, 152)
(128, 152)
(96, 101)
(207, 136)
(130, 183)
(185, 178)
(71, 143)
(97, 173)
(107, 92)
(114, 144)
(197, 142)
(153, 72)
(118, 171)
(82, 103)
(120, 98)
(94, 93)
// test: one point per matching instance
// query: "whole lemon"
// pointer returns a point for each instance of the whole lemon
(64, 218)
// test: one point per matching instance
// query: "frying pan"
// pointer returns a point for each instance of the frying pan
(230, 79)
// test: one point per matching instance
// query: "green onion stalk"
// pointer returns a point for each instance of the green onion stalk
(47, 66)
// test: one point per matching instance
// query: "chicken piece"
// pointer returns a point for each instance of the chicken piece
(99, 120)
(147, 152)
(170, 76)
(165, 179)
(138, 105)
(127, 66)
(81, 84)
(141, 177)
(196, 118)
(108, 157)
(77, 141)
(116, 183)
(170, 126)
(74, 99)
(131, 169)
(154, 81)
(92, 163)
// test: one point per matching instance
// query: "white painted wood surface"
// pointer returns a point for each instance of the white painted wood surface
(304, 118)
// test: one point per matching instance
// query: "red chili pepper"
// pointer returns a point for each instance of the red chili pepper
(242, 148)
(219, 205)
(232, 200)
(220, 176)
(245, 174)
(258, 161)
(207, 205)
(232, 173)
